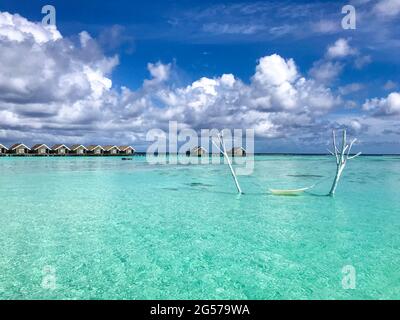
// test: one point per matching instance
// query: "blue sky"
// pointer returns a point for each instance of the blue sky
(185, 41)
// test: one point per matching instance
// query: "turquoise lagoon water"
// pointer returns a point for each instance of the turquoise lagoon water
(113, 229)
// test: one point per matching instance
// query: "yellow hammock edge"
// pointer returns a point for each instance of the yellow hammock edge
(289, 192)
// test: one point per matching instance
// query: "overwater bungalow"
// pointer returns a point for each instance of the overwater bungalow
(40, 149)
(19, 149)
(95, 150)
(78, 149)
(3, 150)
(60, 149)
(126, 150)
(111, 150)
(197, 152)
(237, 152)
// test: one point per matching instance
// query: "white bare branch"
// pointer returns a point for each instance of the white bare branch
(341, 158)
(335, 149)
(351, 145)
(355, 156)
(223, 151)
(344, 141)
(215, 144)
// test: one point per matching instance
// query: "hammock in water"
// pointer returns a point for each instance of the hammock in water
(289, 192)
(295, 192)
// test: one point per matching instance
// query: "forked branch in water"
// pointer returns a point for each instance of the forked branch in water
(341, 155)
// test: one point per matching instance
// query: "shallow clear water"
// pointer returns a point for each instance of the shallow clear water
(125, 229)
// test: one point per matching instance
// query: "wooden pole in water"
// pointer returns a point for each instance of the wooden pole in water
(223, 151)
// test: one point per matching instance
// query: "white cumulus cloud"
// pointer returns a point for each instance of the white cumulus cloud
(340, 49)
(16, 28)
(63, 92)
(384, 106)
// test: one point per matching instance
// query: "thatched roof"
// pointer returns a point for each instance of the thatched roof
(108, 148)
(94, 147)
(124, 148)
(2, 146)
(76, 146)
(196, 149)
(58, 146)
(40, 145)
(16, 145)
